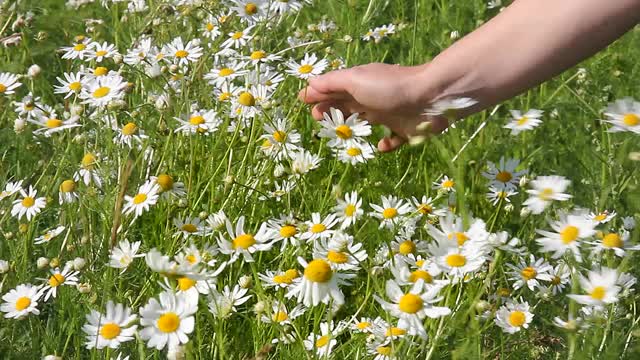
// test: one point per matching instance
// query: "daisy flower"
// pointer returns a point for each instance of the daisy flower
(110, 329)
(560, 277)
(167, 322)
(520, 122)
(222, 75)
(341, 132)
(426, 207)
(283, 7)
(102, 90)
(88, 173)
(261, 57)
(140, 54)
(58, 278)
(412, 307)
(246, 105)
(569, 230)
(29, 107)
(391, 212)
(250, 11)
(601, 287)
(8, 83)
(318, 228)
(503, 175)
(545, 190)
(279, 279)
(10, 189)
(452, 232)
(238, 39)
(530, 273)
(30, 205)
(242, 243)
(199, 122)
(354, 153)
(210, 28)
(347, 211)
(624, 115)
(223, 304)
(99, 52)
(50, 124)
(67, 193)
(363, 325)
(282, 139)
(495, 195)
(183, 54)
(445, 184)
(449, 106)
(21, 301)
(79, 50)
(602, 217)
(122, 255)
(48, 235)
(618, 242)
(341, 252)
(425, 270)
(127, 135)
(280, 315)
(169, 188)
(304, 161)
(382, 350)
(146, 197)
(308, 67)
(284, 229)
(324, 342)
(405, 246)
(513, 316)
(188, 226)
(458, 261)
(319, 284)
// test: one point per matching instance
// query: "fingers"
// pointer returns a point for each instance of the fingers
(338, 81)
(310, 95)
(390, 143)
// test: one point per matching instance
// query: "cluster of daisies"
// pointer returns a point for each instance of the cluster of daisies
(294, 267)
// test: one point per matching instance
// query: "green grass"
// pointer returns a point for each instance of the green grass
(573, 144)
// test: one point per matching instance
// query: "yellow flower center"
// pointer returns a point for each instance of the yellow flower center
(288, 231)
(185, 283)
(56, 280)
(350, 210)
(243, 241)
(363, 325)
(389, 213)
(3, 88)
(237, 35)
(110, 330)
(456, 260)
(598, 292)
(140, 198)
(68, 186)
(280, 316)
(101, 92)
(190, 228)
(407, 247)
(225, 96)
(517, 318)
(28, 201)
(344, 132)
(410, 303)
(168, 322)
(556, 280)
(280, 136)
(79, 47)
(101, 53)
(165, 181)
(75, 86)
(354, 151)
(53, 123)
(129, 129)
(250, 8)
(318, 271)
(196, 120)
(384, 350)
(318, 228)
(337, 257)
(282, 279)
(504, 176)
(292, 273)
(88, 160)
(322, 341)
(257, 55)
(523, 120)
(631, 120)
(421, 274)
(100, 71)
(225, 72)
(569, 234)
(460, 237)
(305, 69)
(210, 26)
(395, 331)
(546, 194)
(612, 241)
(23, 303)
(448, 184)
(529, 273)
(425, 209)
(246, 99)
(182, 54)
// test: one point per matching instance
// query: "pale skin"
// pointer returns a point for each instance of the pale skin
(528, 43)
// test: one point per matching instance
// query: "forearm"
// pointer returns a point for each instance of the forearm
(526, 44)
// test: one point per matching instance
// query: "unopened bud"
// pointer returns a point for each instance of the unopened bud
(83, 288)
(245, 281)
(79, 263)
(259, 307)
(4, 266)
(54, 263)
(42, 262)
(34, 71)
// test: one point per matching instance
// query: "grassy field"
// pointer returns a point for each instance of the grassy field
(218, 304)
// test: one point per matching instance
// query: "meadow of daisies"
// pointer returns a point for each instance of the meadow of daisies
(163, 193)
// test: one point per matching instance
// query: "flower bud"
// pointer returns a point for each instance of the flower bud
(84, 288)
(245, 281)
(42, 262)
(259, 307)
(34, 71)
(79, 263)
(117, 58)
(19, 125)
(524, 212)
(54, 262)
(4, 266)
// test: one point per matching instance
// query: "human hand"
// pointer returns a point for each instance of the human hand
(391, 95)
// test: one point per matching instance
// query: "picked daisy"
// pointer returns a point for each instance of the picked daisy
(109, 329)
(21, 301)
(355, 153)
(521, 122)
(308, 67)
